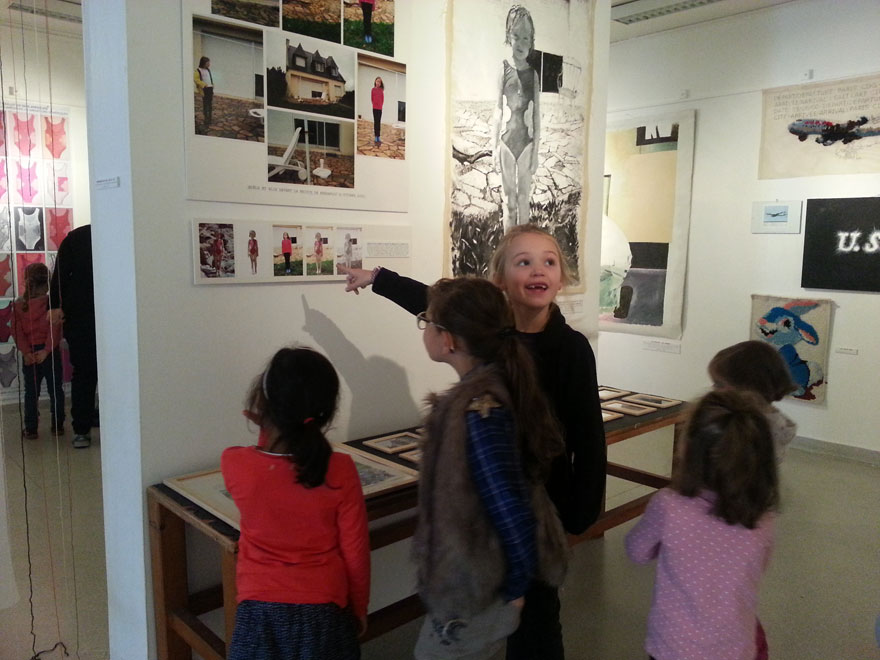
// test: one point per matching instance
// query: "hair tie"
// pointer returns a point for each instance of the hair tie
(509, 331)
(266, 383)
(308, 420)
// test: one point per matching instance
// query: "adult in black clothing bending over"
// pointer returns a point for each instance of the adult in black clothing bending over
(72, 290)
(528, 266)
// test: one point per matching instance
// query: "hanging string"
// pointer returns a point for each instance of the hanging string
(55, 353)
(30, 141)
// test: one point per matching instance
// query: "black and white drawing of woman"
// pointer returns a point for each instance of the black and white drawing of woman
(518, 118)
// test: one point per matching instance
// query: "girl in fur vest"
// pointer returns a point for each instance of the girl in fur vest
(486, 525)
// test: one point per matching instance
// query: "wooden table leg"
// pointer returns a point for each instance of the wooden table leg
(229, 593)
(170, 588)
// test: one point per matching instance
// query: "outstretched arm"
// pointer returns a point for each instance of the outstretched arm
(356, 278)
(410, 294)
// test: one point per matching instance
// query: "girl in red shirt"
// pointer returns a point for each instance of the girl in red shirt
(377, 96)
(303, 571)
(37, 339)
(286, 250)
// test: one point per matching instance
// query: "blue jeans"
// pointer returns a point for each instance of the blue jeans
(33, 375)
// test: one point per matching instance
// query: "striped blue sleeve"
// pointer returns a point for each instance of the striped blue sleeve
(501, 485)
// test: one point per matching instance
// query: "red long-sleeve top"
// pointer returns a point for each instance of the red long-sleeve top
(32, 328)
(377, 96)
(299, 545)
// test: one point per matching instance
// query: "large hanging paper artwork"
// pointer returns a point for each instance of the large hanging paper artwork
(520, 98)
(821, 128)
(800, 329)
(648, 166)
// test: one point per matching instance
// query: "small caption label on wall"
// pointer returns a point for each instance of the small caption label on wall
(662, 346)
(846, 351)
(107, 182)
(387, 250)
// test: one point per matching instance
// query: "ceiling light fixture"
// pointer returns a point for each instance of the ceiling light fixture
(642, 10)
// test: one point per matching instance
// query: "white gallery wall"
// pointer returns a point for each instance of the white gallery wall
(175, 360)
(723, 66)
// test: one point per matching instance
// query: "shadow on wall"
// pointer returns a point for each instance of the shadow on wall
(376, 383)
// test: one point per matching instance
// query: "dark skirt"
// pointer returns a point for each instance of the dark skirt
(283, 631)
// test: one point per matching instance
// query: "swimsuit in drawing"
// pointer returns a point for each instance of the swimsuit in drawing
(6, 322)
(59, 224)
(23, 134)
(29, 229)
(60, 189)
(519, 93)
(8, 368)
(253, 248)
(27, 182)
(56, 136)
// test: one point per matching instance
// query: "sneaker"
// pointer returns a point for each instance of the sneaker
(81, 441)
(30, 435)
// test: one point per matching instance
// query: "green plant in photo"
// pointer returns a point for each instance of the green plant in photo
(295, 268)
(383, 37)
(326, 267)
(316, 29)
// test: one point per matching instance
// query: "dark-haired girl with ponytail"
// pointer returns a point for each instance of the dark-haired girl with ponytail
(487, 528)
(303, 570)
(711, 534)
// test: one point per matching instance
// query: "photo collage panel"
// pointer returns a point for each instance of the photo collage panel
(307, 88)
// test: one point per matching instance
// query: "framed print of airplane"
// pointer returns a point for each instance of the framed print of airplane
(776, 217)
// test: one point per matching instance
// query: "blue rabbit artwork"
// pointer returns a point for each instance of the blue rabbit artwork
(797, 340)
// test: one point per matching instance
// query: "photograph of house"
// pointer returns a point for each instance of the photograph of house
(311, 76)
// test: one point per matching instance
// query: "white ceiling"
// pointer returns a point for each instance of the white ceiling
(65, 15)
(710, 12)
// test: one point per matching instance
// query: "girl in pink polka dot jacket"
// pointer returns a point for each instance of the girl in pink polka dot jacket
(711, 533)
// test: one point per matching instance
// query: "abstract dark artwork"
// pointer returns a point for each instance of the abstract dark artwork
(842, 244)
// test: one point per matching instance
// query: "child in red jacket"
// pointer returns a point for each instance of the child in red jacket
(37, 339)
(303, 571)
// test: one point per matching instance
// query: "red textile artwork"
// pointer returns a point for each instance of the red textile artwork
(55, 136)
(60, 222)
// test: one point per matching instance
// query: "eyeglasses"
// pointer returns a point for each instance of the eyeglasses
(422, 321)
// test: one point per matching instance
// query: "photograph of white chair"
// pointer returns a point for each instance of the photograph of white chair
(287, 162)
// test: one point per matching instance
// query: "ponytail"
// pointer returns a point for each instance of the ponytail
(296, 395)
(728, 449)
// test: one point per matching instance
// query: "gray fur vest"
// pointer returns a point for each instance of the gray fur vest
(460, 560)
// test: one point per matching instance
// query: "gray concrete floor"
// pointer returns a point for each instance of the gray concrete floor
(819, 600)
